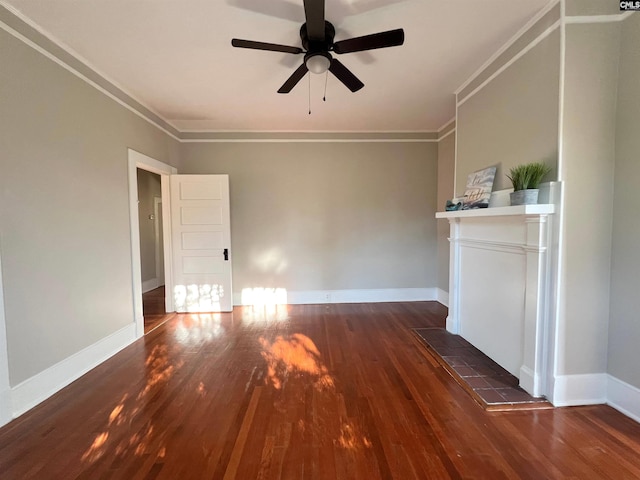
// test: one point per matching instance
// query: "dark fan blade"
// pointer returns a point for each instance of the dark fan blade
(293, 80)
(343, 74)
(392, 38)
(314, 13)
(272, 47)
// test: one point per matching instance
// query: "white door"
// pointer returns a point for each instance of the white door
(201, 243)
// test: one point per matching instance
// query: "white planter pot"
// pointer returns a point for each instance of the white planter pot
(525, 197)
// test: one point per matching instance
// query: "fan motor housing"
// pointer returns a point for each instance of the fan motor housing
(312, 46)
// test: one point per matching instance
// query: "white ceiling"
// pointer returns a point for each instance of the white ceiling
(175, 56)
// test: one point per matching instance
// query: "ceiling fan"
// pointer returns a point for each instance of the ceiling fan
(317, 39)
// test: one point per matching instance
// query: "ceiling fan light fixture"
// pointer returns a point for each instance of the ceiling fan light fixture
(318, 63)
(316, 37)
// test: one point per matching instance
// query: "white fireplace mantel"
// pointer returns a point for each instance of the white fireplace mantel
(499, 286)
(537, 209)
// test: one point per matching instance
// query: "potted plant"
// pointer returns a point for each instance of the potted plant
(526, 182)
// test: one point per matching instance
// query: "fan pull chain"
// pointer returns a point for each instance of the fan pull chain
(324, 98)
(309, 75)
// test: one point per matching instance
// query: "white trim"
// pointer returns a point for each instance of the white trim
(597, 18)
(586, 389)
(528, 379)
(450, 324)
(442, 297)
(535, 209)
(557, 324)
(447, 134)
(455, 151)
(453, 119)
(66, 48)
(309, 140)
(72, 70)
(5, 386)
(504, 247)
(150, 284)
(623, 397)
(167, 249)
(336, 132)
(150, 164)
(41, 386)
(138, 160)
(453, 318)
(158, 235)
(310, 297)
(513, 59)
(561, 86)
(507, 44)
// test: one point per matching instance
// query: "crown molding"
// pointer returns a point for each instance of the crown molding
(587, 19)
(33, 35)
(550, 6)
(513, 59)
(446, 124)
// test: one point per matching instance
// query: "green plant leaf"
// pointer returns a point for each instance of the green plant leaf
(528, 176)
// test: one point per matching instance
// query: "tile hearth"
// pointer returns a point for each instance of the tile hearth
(488, 383)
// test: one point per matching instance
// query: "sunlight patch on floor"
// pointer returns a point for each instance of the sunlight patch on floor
(159, 370)
(196, 328)
(198, 298)
(296, 357)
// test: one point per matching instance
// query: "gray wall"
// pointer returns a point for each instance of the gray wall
(624, 327)
(64, 213)
(327, 216)
(591, 72)
(148, 188)
(591, 7)
(446, 164)
(513, 119)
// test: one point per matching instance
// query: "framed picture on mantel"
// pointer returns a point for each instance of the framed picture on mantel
(479, 186)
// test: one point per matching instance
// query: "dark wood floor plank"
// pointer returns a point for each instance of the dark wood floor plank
(301, 392)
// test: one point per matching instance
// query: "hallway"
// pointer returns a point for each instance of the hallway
(153, 309)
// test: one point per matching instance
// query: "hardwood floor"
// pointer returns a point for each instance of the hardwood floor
(293, 392)
(153, 309)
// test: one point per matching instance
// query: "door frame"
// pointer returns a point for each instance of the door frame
(144, 162)
(6, 404)
(158, 234)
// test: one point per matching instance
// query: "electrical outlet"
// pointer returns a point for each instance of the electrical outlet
(327, 297)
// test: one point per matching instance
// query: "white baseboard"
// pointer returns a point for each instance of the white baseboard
(529, 380)
(623, 397)
(572, 390)
(6, 415)
(149, 285)
(442, 297)
(354, 296)
(450, 325)
(41, 386)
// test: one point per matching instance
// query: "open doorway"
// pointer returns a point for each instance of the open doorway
(155, 217)
(151, 248)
